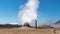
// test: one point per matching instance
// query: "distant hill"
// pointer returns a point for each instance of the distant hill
(58, 22)
(56, 25)
(9, 25)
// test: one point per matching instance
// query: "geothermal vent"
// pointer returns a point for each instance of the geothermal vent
(26, 24)
(28, 12)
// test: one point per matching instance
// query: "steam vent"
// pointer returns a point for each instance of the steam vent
(26, 24)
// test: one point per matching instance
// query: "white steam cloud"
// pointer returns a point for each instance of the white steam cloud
(28, 12)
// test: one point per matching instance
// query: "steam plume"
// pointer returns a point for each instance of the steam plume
(28, 12)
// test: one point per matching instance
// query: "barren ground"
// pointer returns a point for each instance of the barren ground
(25, 30)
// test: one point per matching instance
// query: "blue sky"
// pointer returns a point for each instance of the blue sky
(48, 10)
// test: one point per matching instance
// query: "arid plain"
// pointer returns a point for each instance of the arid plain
(26, 30)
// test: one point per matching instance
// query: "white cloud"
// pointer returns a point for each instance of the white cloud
(13, 23)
